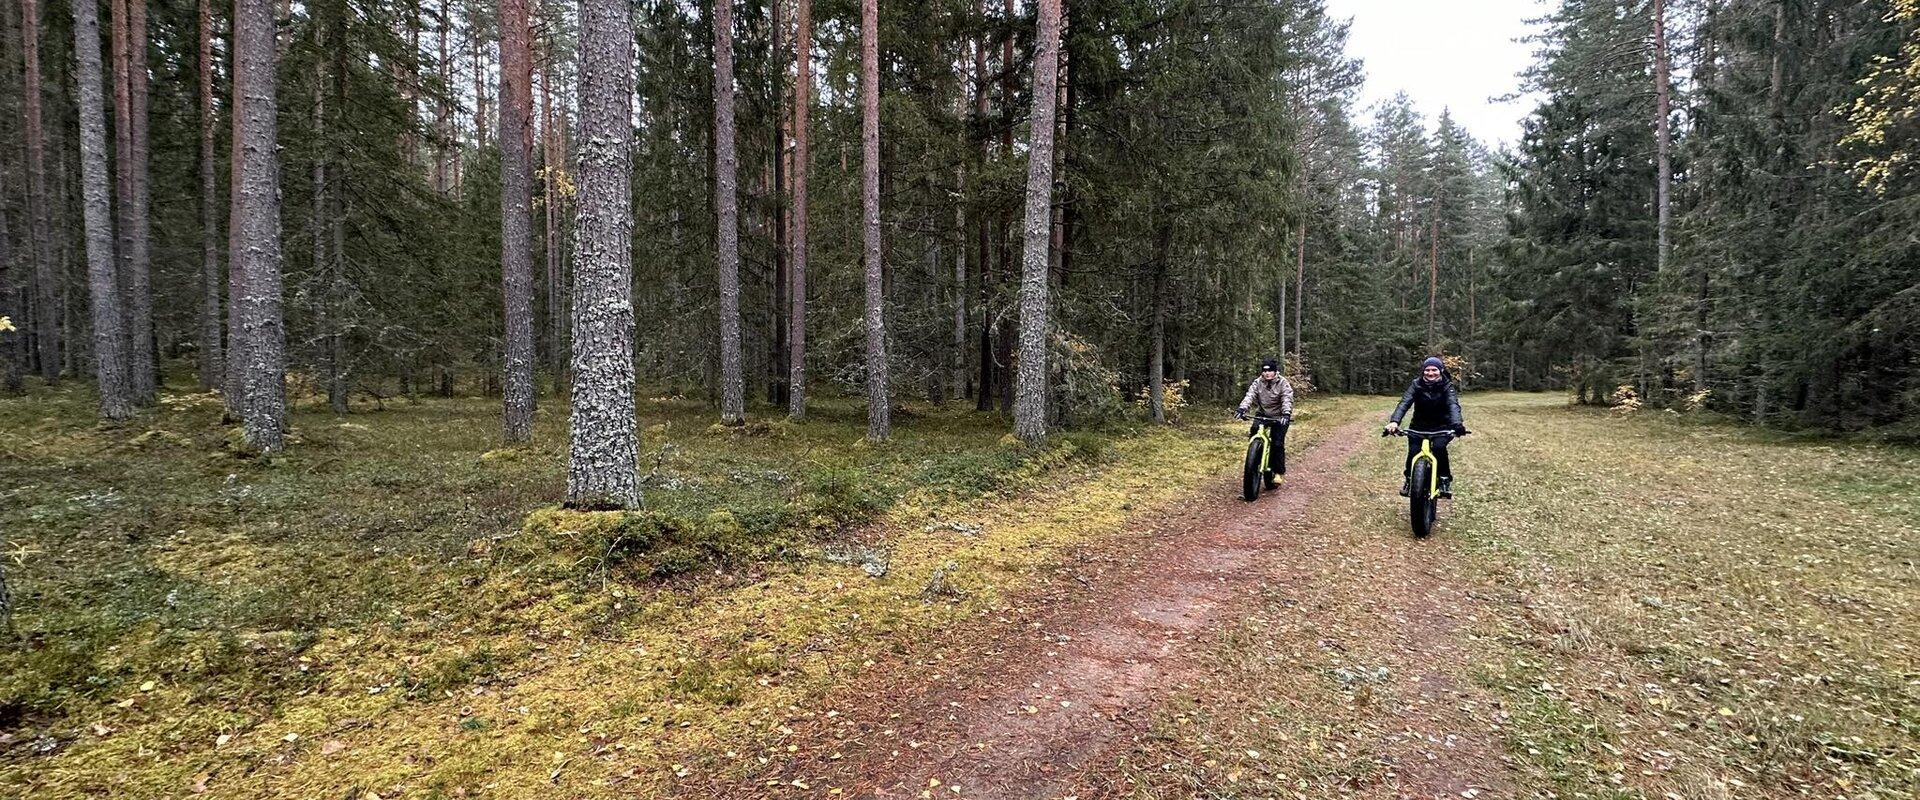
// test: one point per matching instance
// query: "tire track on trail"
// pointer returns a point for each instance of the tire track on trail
(1019, 705)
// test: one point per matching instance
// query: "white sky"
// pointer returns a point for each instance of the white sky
(1455, 54)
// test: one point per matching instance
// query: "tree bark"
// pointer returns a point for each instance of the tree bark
(443, 107)
(233, 393)
(959, 295)
(733, 388)
(1157, 343)
(256, 226)
(604, 442)
(212, 355)
(320, 221)
(109, 333)
(46, 321)
(797, 240)
(1002, 337)
(983, 234)
(1030, 400)
(129, 129)
(1299, 298)
(516, 217)
(879, 416)
(555, 159)
(1663, 136)
(1433, 282)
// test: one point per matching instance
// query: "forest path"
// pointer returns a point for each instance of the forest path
(1045, 700)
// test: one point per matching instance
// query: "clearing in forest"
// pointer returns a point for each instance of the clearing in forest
(1608, 609)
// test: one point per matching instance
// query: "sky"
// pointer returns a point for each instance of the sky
(1454, 54)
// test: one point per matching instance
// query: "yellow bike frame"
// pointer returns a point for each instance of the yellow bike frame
(1433, 468)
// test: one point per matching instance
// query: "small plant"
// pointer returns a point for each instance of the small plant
(1624, 400)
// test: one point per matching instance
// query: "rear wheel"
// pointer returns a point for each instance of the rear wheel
(1420, 503)
(1250, 481)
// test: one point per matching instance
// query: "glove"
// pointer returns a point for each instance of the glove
(1240, 412)
(1286, 420)
(1460, 430)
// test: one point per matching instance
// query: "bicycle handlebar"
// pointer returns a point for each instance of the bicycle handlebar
(1425, 434)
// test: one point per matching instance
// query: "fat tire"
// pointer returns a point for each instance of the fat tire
(1420, 502)
(1250, 481)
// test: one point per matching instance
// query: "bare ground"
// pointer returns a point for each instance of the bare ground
(1043, 699)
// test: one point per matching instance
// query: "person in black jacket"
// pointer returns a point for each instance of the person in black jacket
(1436, 407)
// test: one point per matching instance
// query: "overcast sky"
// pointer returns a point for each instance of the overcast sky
(1455, 54)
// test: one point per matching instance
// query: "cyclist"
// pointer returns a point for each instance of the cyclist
(1271, 397)
(1435, 401)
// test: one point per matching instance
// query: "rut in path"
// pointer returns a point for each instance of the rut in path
(1026, 704)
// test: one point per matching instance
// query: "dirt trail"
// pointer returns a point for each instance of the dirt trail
(1025, 704)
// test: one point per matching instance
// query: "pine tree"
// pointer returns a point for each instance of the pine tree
(46, 325)
(1030, 407)
(797, 261)
(879, 415)
(109, 338)
(733, 390)
(601, 469)
(516, 216)
(256, 227)
(212, 360)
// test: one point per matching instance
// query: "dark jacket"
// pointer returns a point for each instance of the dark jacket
(1436, 406)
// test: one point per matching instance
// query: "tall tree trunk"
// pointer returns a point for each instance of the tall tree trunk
(321, 221)
(256, 225)
(212, 355)
(46, 314)
(11, 357)
(233, 392)
(1030, 401)
(129, 130)
(1157, 342)
(777, 211)
(879, 416)
(335, 288)
(797, 262)
(1663, 137)
(982, 233)
(1433, 283)
(443, 107)
(516, 217)
(1299, 297)
(959, 295)
(555, 159)
(604, 444)
(109, 333)
(726, 201)
(1002, 337)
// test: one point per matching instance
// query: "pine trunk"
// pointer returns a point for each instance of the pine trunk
(554, 158)
(982, 232)
(1299, 297)
(109, 332)
(1433, 284)
(1157, 343)
(879, 416)
(212, 355)
(726, 201)
(1663, 136)
(46, 323)
(797, 261)
(516, 217)
(256, 226)
(958, 298)
(130, 137)
(1030, 400)
(604, 442)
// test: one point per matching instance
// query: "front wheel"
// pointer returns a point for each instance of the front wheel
(1422, 508)
(1256, 459)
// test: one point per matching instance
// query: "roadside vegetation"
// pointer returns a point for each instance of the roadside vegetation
(396, 605)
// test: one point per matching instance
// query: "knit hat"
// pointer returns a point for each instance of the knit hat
(1433, 361)
(1270, 364)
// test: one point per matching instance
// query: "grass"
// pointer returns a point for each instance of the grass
(386, 608)
(1663, 608)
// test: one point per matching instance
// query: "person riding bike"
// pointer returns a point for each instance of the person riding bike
(1435, 401)
(1270, 396)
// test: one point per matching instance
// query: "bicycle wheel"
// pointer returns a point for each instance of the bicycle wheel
(1250, 482)
(1420, 502)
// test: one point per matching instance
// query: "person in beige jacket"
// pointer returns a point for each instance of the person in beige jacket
(1270, 397)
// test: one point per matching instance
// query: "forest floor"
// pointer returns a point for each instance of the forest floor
(1633, 607)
